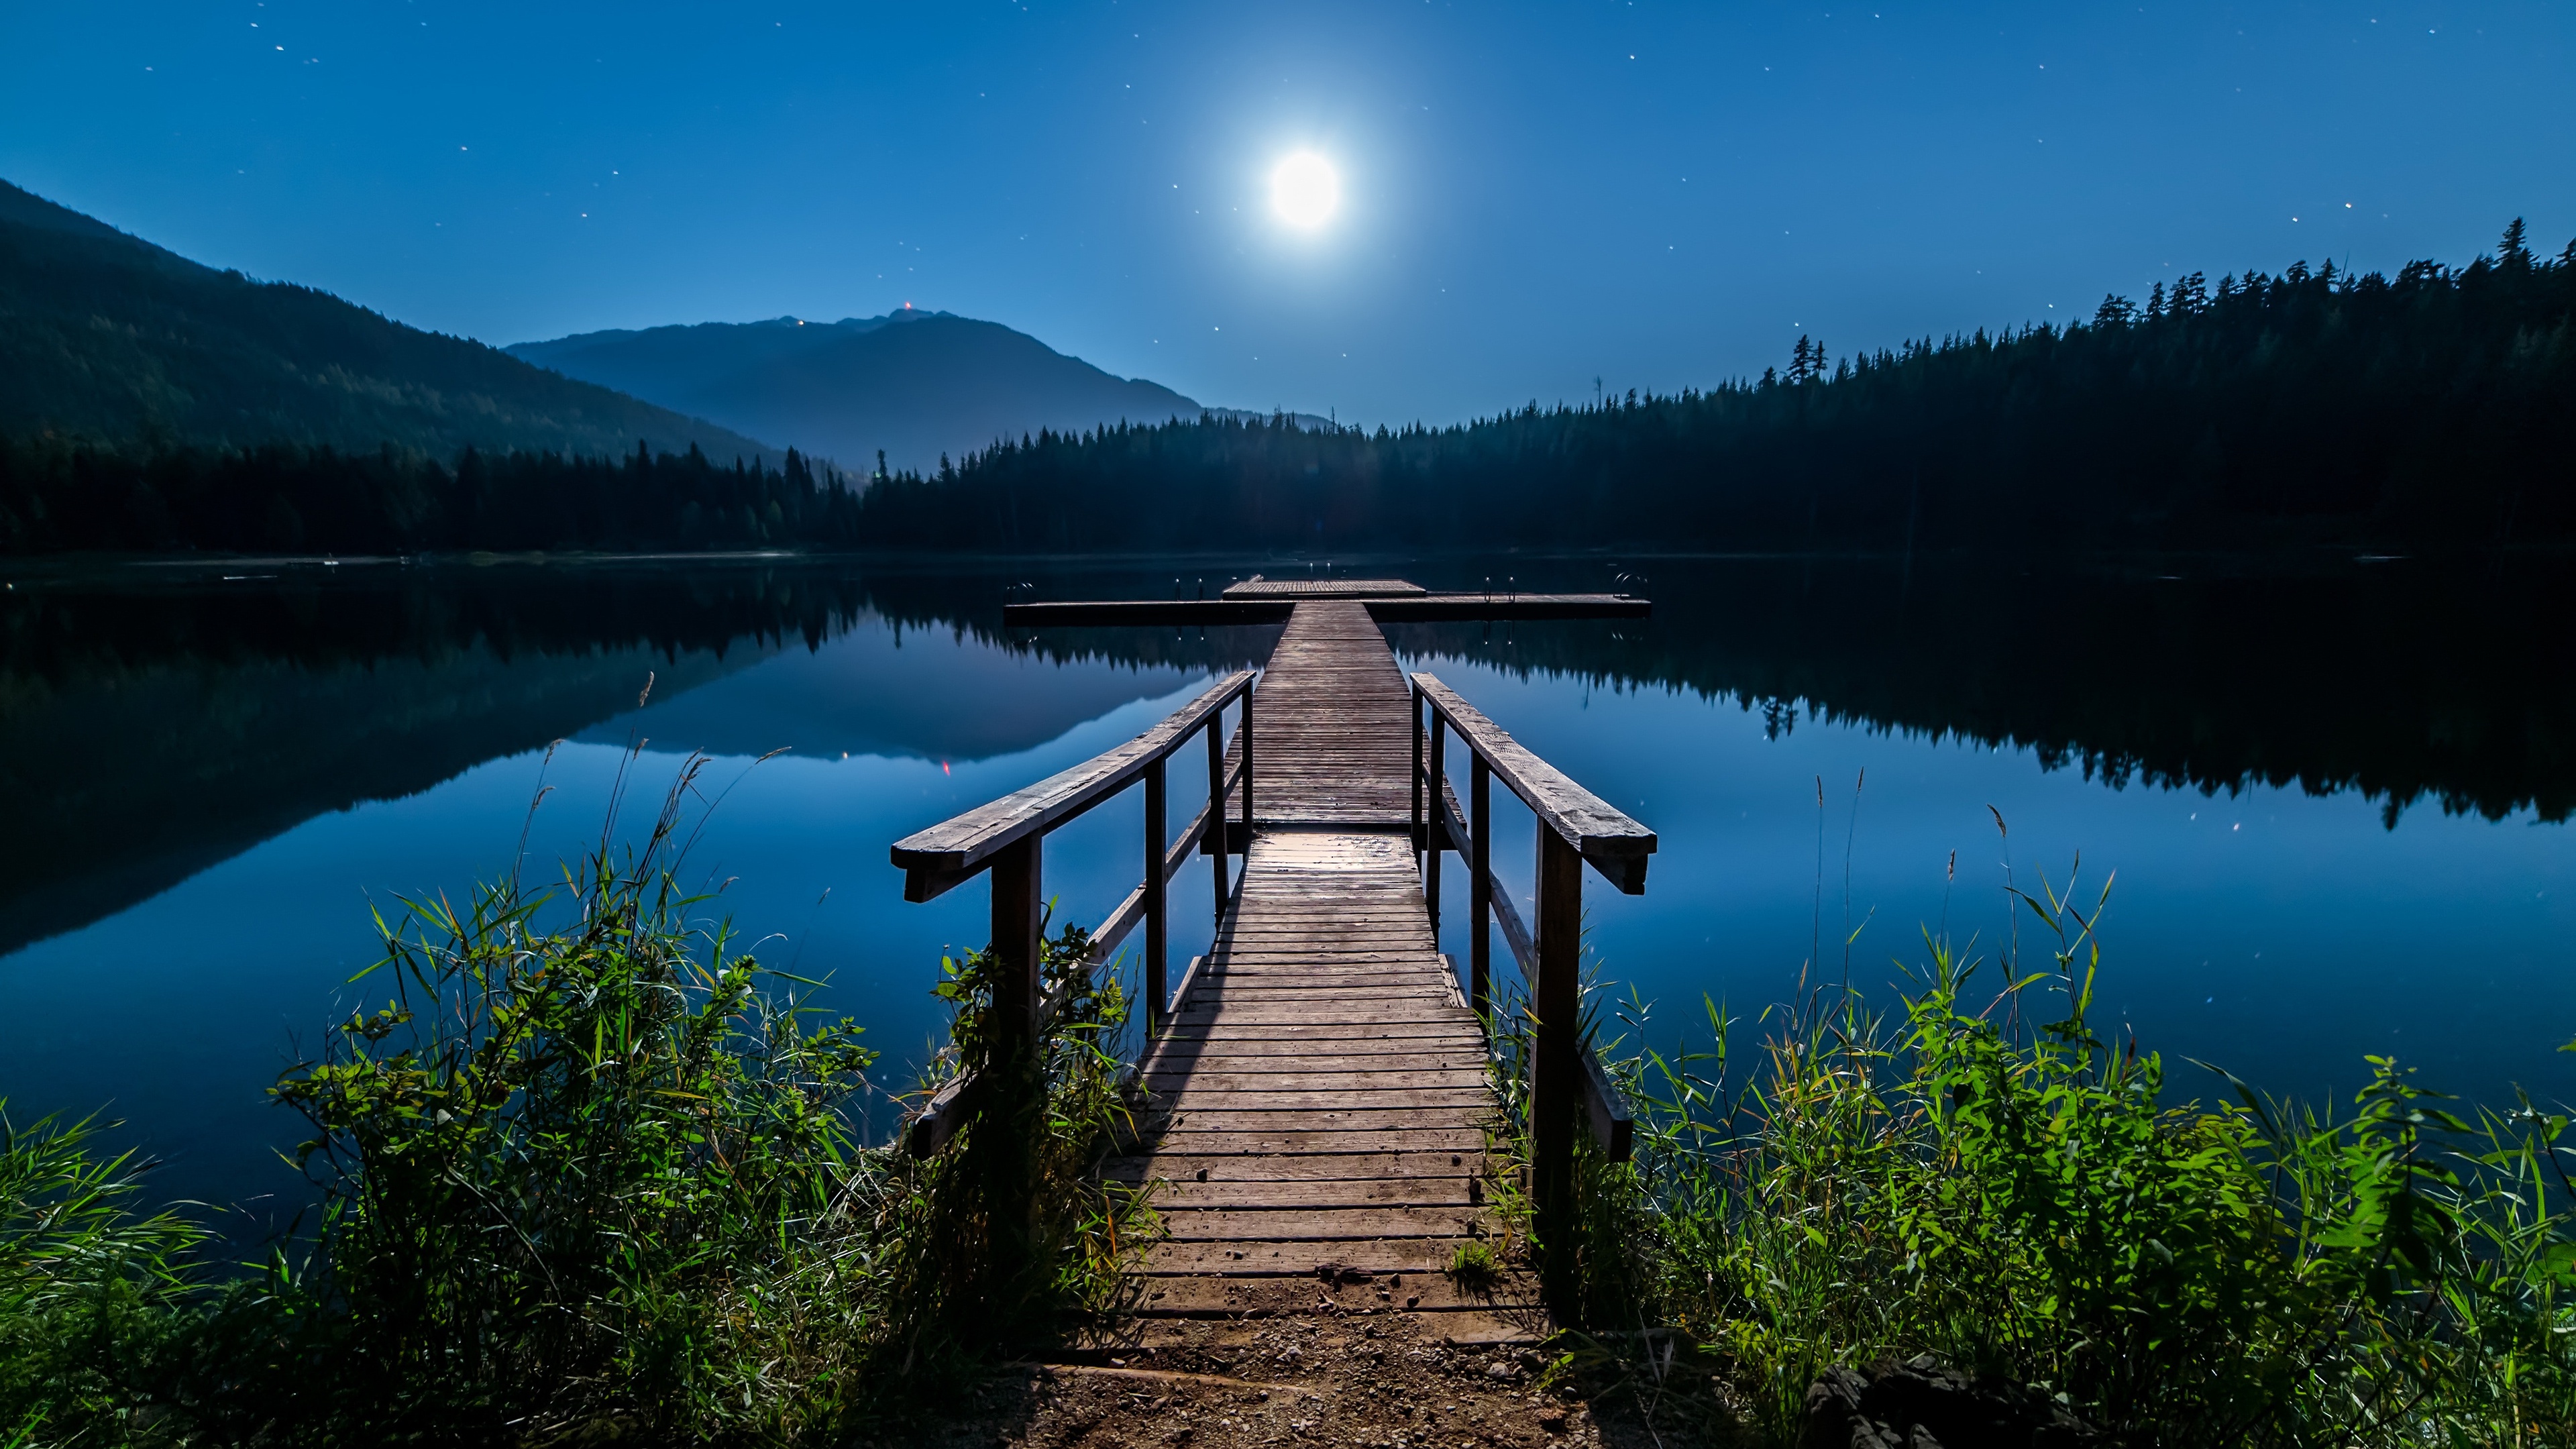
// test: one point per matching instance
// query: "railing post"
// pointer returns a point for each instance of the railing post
(1216, 841)
(1414, 724)
(1556, 1087)
(1438, 840)
(1157, 1004)
(1480, 885)
(1014, 1098)
(1247, 776)
(1018, 910)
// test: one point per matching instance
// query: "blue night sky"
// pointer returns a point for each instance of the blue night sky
(1657, 195)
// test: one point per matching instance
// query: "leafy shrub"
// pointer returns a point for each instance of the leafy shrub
(592, 1171)
(581, 1170)
(2025, 1202)
(87, 1285)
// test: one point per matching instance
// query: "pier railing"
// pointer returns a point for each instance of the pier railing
(1007, 837)
(1575, 828)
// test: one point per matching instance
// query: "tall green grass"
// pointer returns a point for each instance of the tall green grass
(1980, 1174)
(88, 1283)
(592, 1171)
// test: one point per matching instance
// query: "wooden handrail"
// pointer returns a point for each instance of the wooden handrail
(1007, 837)
(1575, 828)
(948, 854)
(1614, 844)
(1131, 911)
(1607, 1107)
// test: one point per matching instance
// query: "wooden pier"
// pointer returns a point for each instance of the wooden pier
(1322, 1124)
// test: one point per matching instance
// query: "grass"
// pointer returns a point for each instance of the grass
(1475, 1267)
(1980, 1175)
(592, 1171)
(88, 1284)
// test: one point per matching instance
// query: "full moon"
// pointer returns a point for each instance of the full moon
(1304, 191)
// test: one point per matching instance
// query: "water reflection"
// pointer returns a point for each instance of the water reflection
(210, 779)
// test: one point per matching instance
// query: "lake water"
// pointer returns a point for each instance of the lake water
(2332, 794)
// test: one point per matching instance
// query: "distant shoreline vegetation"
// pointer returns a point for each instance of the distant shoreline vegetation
(60, 495)
(2436, 409)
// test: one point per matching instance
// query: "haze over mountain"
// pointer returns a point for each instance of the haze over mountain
(108, 337)
(915, 384)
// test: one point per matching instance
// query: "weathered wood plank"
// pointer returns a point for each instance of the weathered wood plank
(1292, 1167)
(1264, 1257)
(1355, 1290)
(1300, 1059)
(1216, 1125)
(1288, 1225)
(1257, 587)
(1203, 1079)
(1615, 844)
(1170, 1194)
(958, 843)
(1308, 1138)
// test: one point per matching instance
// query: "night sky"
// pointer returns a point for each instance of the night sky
(1654, 195)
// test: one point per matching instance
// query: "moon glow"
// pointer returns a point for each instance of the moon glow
(1305, 191)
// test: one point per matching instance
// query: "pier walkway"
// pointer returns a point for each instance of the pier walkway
(1322, 1124)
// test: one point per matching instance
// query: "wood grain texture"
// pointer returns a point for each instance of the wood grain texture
(1614, 843)
(1257, 587)
(963, 841)
(1335, 742)
(1320, 1098)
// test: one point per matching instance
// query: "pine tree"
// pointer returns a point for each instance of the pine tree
(2512, 252)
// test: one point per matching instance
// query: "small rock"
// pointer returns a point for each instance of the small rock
(1552, 1420)
(1892, 1405)
(1498, 1369)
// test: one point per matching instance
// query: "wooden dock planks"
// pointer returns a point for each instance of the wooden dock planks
(1258, 587)
(1318, 1142)
(1332, 723)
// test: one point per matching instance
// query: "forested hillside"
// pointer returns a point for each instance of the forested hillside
(2435, 407)
(108, 338)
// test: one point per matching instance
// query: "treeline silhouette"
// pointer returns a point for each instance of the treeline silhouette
(2435, 407)
(60, 495)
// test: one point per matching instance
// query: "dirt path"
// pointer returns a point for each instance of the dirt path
(1305, 1381)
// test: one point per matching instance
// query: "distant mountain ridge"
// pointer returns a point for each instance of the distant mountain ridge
(108, 337)
(916, 384)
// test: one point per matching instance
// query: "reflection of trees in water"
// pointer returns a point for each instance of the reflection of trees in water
(2405, 681)
(154, 723)
(148, 730)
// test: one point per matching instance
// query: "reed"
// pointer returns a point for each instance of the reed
(591, 1171)
(1979, 1174)
(87, 1281)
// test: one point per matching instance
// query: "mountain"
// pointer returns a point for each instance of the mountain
(108, 337)
(915, 384)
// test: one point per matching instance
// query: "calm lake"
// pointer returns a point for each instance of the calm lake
(2333, 794)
